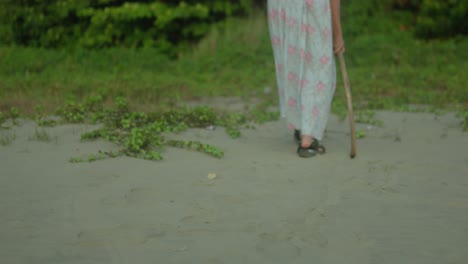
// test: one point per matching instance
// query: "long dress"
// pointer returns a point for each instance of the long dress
(301, 36)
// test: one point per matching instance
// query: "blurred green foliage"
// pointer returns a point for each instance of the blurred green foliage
(437, 18)
(167, 25)
(173, 26)
(442, 18)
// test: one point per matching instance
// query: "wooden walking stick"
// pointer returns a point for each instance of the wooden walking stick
(350, 105)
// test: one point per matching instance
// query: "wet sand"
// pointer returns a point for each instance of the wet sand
(404, 199)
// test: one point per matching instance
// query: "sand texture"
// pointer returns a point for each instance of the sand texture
(404, 199)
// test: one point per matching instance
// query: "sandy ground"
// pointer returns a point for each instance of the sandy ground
(404, 199)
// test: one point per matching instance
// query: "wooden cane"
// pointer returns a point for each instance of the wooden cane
(350, 105)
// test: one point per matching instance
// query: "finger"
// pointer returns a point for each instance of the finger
(339, 49)
(336, 50)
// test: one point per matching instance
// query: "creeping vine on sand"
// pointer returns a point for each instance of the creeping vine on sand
(146, 135)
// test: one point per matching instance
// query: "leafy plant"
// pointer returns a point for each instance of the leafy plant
(14, 112)
(42, 119)
(72, 112)
(232, 122)
(96, 157)
(101, 155)
(76, 160)
(360, 134)
(197, 146)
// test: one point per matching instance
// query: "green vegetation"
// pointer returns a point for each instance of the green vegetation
(388, 67)
(6, 137)
(168, 26)
(367, 117)
(2, 119)
(173, 26)
(464, 116)
(145, 135)
(360, 134)
(437, 18)
(145, 77)
(12, 114)
(42, 135)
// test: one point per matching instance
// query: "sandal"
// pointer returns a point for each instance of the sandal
(314, 149)
(297, 136)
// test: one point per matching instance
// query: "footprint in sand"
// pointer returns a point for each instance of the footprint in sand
(140, 195)
(307, 226)
(279, 250)
(98, 181)
(314, 219)
(122, 234)
(383, 178)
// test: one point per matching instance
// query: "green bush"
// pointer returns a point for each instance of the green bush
(172, 26)
(437, 18)
(407, 4)
(365, 17)
(167, 25)
(442, 18)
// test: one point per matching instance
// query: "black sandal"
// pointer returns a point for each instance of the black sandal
(314, 149)
(297, 136)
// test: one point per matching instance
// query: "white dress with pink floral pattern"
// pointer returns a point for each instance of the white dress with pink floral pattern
(301, 36)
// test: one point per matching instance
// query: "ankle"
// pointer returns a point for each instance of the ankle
(306, 141)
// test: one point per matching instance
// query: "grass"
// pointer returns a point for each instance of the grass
(41, 135)
(148, 79)
(388, 67)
